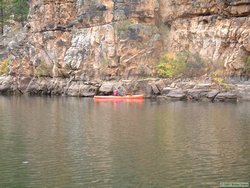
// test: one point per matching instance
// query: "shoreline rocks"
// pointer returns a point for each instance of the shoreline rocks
(151, 88)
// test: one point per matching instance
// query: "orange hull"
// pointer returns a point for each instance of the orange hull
(127, 97)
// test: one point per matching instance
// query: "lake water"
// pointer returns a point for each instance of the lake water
(74, 142)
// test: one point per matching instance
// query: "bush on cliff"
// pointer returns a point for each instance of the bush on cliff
(171, 65)
(182, 64)
(42, 70)
(4, 67)
(218, 77)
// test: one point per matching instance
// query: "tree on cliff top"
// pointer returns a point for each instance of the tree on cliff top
(4, 14)
(20, 10)
(13, 10)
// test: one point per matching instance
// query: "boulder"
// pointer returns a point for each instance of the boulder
(155, 89)
(33, 86)
(38, 86)
(196, 94)
(177, 94)
(57, 86)
(5, 88)
(143, 87)
(73, 90)
(106, 88)
(212, 94)
(161, 84)
(226, 97)
(166, 90)
(23, 83)
(87, 90)
(203, 86)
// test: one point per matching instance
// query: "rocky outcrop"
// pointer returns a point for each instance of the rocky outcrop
(160, 89)
(68, 43)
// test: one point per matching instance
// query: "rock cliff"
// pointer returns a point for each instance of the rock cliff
(216, 29)
(123, 38)
(86, 40)
(92, 38)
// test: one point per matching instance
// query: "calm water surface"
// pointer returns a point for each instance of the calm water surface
(72, 142)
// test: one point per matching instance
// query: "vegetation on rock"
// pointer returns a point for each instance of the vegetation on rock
(182, 64)
(171, 65)
(43, 70)
(219, 78)
(4, 67)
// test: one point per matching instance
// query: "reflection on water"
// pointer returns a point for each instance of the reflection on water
(74, 142)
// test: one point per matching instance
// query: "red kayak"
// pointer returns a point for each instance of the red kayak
(126, 97)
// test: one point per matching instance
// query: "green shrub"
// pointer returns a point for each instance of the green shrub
(183, 64)
(4, 67)
(246, 68)
(42, 71)
(171, 65)
(218, 77)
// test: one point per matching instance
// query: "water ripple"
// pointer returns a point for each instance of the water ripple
(67, 142)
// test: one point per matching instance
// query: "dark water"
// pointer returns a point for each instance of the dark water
(72, 142)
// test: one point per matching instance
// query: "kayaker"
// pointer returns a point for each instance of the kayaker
(118, 92)
(115, 92)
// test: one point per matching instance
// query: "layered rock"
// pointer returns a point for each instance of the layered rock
(124, 38)
(218, 30)
(93, 39)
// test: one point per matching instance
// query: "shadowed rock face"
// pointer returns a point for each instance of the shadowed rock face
(111, 39)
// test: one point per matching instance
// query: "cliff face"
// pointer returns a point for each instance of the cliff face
(110, 39)
(216, 29)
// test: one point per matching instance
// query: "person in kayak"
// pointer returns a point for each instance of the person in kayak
(118, 91)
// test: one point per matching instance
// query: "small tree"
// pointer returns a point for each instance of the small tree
(17, 8)
(20, 10)
(171, 65)
(4, 14)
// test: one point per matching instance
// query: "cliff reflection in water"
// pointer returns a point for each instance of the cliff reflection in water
(72, 142)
